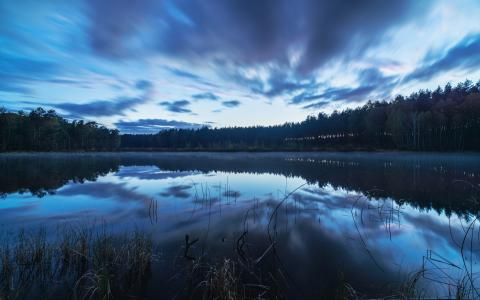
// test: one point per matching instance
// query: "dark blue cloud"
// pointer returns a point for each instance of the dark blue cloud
(336, 94)
(143, 85)
(250, 32)
(182, 73)
(153, 125)
(231, 35)
(179, 106)
(371, 81)
(317, 105)
(101, 108)
(464, 55)
(255, 85)
(206, 96)
(115, 107)
(286, 41)
(289, 38)
(188, 75)
(231, 103)
(278, 82)
(114, 22)
(247, 32)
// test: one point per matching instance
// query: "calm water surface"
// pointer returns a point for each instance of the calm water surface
(370, 220)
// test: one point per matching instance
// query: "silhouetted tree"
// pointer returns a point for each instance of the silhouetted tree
(445, 119)
(42, 130)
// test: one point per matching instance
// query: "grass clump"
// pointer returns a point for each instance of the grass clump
(222, 282)
(78, 264)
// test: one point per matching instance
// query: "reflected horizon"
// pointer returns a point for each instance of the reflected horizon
(403, 176)
(389, 213)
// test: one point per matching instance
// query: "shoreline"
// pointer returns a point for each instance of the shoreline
(253, 151)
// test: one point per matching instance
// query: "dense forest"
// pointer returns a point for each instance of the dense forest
(42, 130)
(445, 119)
(442, 120)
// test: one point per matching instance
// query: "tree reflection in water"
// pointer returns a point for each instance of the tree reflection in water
(370, 220)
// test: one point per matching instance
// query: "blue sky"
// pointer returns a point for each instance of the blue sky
(145, 65)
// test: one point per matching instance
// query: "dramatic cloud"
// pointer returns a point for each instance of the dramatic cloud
(154, 125)
(247, 32)
(231, 103)
(85, 57)
(464, 55)
(317, 32)
(179, 106)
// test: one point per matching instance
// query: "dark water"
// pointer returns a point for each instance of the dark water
(369, 220)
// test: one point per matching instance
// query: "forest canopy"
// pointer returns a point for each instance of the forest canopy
(446, 119)
(42, 130)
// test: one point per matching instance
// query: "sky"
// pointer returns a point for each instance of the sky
(145, 65)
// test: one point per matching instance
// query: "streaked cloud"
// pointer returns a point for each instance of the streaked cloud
(182, 73)
(101, 107)
(371, 82)
(464, 55)
(280, 60)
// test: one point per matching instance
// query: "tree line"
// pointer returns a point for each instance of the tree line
(42, 130)
(445, 119)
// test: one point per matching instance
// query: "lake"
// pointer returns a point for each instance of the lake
(313, 224)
